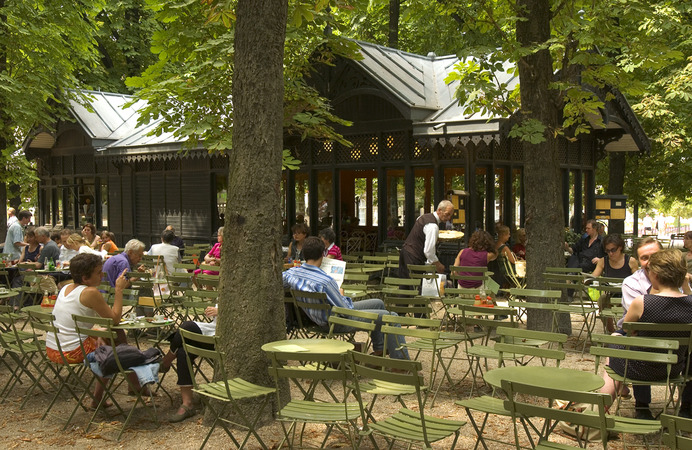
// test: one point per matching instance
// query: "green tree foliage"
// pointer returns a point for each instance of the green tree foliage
(189, 86)
(664, 106)
(125, 29)
(45, 47)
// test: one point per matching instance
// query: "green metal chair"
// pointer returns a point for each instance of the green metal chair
(522, 411)
(412, 427)
(481, 318)
(345, 317)
(330, 408)
(68, 377)
(513, 345)
(85, 327)
(633, 348)
(677, 432)
(228, 391)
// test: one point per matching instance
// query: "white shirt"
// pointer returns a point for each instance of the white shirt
(11, 220)
(170, 254)
(632, 287)
(86, 249)
(431, 231)
(66, 254)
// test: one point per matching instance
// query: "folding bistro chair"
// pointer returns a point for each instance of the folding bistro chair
(68, 377)
(332, 410)
(344, 317)
(522, 411)
(229, 391)
(677, 432)
(407, 425)
(634, 348)
(84, 326)
(508, 348)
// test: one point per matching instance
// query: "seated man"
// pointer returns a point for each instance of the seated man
(309, 277)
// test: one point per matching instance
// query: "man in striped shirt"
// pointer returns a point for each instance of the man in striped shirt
(309, 277)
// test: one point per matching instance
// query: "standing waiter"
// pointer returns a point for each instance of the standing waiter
(419, 247)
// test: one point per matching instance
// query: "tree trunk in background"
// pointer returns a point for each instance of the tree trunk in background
(394, 23)
(544, 216)
(616, 185)
(3, 202)
(251, 309)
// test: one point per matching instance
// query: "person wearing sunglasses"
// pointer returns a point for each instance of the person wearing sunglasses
(615, 263)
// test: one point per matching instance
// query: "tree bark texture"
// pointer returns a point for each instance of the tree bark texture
(542, 190)
(251, 309)
(394, 10)
(616, 186)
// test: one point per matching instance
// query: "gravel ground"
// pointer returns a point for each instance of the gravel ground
(24, 429)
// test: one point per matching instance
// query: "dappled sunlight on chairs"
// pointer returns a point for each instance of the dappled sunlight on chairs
(407, 425)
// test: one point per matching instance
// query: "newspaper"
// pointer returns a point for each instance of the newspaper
(334, 268)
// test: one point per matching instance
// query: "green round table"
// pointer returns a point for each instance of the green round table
(549, 377)
(37, 308)
(329, 346)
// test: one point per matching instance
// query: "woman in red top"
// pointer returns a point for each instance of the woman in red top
(479, 253)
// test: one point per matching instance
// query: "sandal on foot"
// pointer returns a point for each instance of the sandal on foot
(187, 413)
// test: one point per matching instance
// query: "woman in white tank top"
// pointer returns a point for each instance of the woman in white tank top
(83, 298)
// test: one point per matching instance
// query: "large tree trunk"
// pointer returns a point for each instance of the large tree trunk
(251, 311)
(616, 186)
(544, 219)
(394, 8)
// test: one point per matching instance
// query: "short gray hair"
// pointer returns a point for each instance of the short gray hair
(220, 230)
(42, 231)
(444, 204)
(133, 245)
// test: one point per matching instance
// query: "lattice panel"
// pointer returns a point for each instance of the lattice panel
(586, 155)
(67, 167)
(365, 149)
(394, 146)
(172, 164)
(157, 165)
(501, 151)
(44, 166)
(84, 164)
(323, 152)
(573, 152)
(482, 149)
(517, 150)
(142, 166)
(454, 151)
(561, 151)
(219, 162)
(420, 152)
(302, 153)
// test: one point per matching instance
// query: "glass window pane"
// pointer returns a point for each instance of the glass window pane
(423, 191)
(373, 195)
(480, 198)
(500, 196)
(104, 205)
(360, 187)
(325, 194)
(516, 196)
(395, 198)
(454, 179)
(302, 201)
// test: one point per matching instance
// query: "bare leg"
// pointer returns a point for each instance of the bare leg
(186, 394)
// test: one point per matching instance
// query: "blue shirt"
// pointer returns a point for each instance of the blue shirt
(311, 278)
(115, 265)
(14, 234)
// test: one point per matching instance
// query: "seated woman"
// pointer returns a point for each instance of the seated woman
(667, 272)
(30, 252)
(177, 353)
(77, 243)
(687, 242)
(108, 246)
(330, 249)
(295, 248)
(83, 298)
(499, 267)
(519, 248)
(90, 236)
(615, 264)
(213, 257)
(479, 253)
